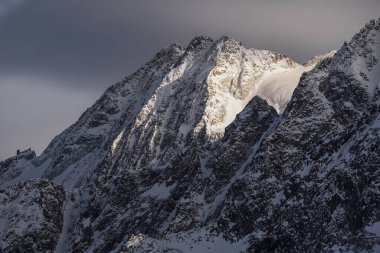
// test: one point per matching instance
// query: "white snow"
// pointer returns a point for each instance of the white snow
(277, 88)
(29, 173)
(67, 222)
(232, 107)
(135, 240)
(248, 73)
(159, 191)
(78, 171)
(116, 141)
(279, 196)
(4, 224)
(185, 129)
(306, 170)
(374, 228)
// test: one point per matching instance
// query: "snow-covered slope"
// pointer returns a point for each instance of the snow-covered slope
(13, 167)
(277, 88)
(31, 216)
(208, 148)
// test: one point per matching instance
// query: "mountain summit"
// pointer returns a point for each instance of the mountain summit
(211, 148)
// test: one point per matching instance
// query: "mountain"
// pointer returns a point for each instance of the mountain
(211, 148)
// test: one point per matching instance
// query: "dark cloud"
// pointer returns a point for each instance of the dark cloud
(52, 52)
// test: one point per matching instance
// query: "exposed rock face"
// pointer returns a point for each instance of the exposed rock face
(308, 189)
(207, 148)
(31, 216)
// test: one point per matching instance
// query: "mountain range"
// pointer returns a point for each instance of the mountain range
(211, 147)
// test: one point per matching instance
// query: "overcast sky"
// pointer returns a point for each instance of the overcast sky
(57, 57)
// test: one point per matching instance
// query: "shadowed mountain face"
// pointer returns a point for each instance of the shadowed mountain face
(211, 148)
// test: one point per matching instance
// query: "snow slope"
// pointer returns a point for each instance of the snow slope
(277, 88)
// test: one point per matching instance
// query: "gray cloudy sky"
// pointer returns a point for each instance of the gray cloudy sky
(57, 57)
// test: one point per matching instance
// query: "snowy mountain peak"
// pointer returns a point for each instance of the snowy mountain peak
(198, 40)
(198, 43)
(360, 58)
(193, 153)
(316, 59)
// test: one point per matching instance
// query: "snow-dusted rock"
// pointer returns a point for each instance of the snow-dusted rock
(14, 166)
(212, 147)
(31, 216)
(309, 188)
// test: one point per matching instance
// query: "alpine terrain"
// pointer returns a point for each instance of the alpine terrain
(211, 147)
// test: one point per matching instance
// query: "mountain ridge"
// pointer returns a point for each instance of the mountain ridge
(197, 150)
